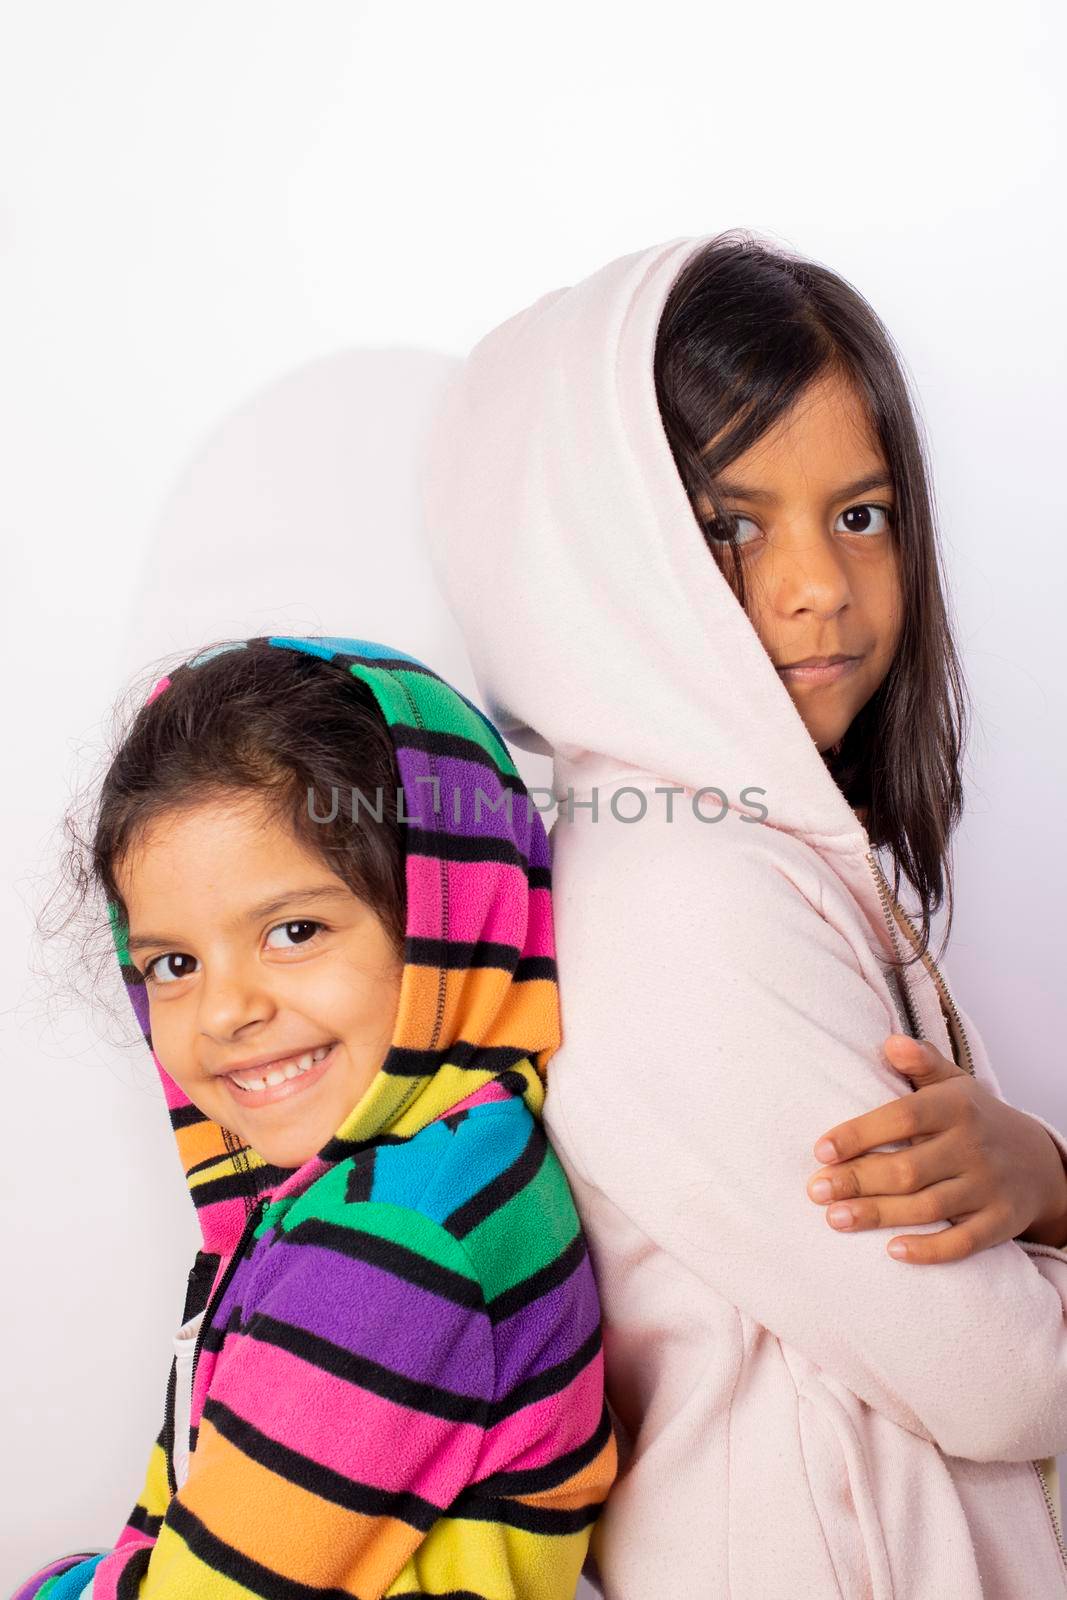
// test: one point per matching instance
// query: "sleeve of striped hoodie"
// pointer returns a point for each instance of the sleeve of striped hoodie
(359, 1437)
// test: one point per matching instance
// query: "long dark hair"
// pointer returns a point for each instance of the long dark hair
(746, 328)
(256, 724)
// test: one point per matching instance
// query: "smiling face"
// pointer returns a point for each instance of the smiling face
(252, 949)
(812, 501)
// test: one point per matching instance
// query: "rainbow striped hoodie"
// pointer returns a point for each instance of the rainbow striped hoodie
(398, 1381)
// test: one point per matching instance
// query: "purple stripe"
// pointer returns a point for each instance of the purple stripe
(471, 790)
(366, 1310)
(547, 1332)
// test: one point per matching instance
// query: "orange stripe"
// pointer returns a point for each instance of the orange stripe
(290, 1530)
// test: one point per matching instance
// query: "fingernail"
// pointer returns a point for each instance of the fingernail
(822, 1189)
(899, 1249)
(840, 1216)
(826, 1150)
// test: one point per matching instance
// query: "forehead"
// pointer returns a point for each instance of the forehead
(827, 434)
(222, 841)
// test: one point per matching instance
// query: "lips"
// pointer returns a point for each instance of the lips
(816, 661)
(822, 673)
(281, 1078)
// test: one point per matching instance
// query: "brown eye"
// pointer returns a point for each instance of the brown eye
(866, 518)
(296, 922)
(732, 531)
(168, 975)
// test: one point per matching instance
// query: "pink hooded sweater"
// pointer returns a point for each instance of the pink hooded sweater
(802, 1416)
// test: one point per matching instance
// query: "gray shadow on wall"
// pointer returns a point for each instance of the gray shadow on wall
(300, 513)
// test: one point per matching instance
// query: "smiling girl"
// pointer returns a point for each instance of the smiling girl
(692, 484)
(330, 901)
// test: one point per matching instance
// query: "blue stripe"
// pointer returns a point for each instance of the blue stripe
(328, 647)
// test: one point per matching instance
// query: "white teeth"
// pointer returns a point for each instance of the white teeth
(264, 1078)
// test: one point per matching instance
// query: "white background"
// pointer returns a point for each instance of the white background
(239, 244)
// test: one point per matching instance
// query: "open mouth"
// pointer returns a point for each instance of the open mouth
(262, 1086)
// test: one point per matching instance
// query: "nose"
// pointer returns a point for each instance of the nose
(808, 571)
(233, 996)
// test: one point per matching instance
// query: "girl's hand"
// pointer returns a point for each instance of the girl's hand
(975, 1160)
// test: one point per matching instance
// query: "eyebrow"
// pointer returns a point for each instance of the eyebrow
(265, 908)
(873, 480)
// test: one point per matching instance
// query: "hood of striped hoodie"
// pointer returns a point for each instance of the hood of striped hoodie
(478, 1014)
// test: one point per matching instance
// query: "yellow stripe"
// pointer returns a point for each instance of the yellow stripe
(495, 1561)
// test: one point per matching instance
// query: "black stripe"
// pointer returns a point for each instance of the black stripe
(129, 1584)
(368, 1374)
(435, 742)
(494, 1059)
(456, 953)
(551, 1381)
(539, 1283)
(231, 1186)
(186, 1116)
(398, 1259)
(440, 845)
(531, 967)
(504, 1187)
(514, 1514)
(534, 1480)
(360, 1180)
(335, 1487)
(216, 1554)
(141, 1519)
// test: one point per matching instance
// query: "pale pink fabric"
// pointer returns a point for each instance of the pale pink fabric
(804, 1416)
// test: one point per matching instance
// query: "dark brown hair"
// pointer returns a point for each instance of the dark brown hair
(746, 328)
(261, 724)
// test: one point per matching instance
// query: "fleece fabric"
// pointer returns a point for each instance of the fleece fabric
(397, 1388)
(802, 1415)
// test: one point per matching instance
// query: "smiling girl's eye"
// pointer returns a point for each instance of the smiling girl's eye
(151, 971)
(298, 922)
(865, 519)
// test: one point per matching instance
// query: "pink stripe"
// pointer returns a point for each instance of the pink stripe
(540, 1433)
(473, 886)
(176, 1098)
(540, 940)
(488, 1092)
(108, 1574)
(221, 1225)
(345, 1427)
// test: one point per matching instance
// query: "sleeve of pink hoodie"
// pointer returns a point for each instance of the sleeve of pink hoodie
(715, 1024)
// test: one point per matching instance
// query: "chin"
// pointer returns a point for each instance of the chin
(283, 1154)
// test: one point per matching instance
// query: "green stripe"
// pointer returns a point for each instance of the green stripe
(397, 1224)
(437, 705)
(527, 1233)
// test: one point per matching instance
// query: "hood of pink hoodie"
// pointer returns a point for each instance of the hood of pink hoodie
(599, 626)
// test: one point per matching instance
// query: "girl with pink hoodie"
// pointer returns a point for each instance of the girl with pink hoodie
(650, 495)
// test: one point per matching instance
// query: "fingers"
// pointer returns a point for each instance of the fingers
(896, 1172)
(919, 1059)
(941, 1089)
(937, 1202)
(967, 1237)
